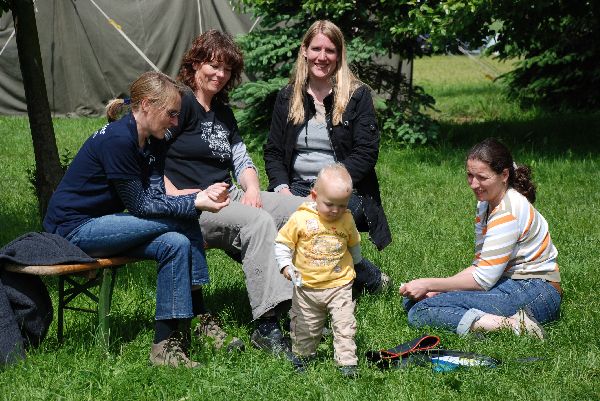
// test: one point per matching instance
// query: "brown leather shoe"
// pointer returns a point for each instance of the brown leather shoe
(170, 352)
(209, 325)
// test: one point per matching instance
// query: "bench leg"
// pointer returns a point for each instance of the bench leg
(61, 310)
(104, 302)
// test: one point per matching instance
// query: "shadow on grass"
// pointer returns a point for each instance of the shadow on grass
(556, 135)
(467, 90)
(16, 224)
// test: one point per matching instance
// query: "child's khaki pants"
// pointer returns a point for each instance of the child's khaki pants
(309, 312)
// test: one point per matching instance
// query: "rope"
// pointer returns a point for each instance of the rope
(492, 72)
(6, 44)
(120, 30)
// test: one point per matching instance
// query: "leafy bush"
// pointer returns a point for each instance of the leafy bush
(404, 122)
(65, 160)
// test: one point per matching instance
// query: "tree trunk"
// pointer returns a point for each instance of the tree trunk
(47, 163)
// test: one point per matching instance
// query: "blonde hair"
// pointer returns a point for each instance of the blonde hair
(154, 86)
(334, 173)
(344, 82)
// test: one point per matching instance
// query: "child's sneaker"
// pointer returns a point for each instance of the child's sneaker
(349, 371)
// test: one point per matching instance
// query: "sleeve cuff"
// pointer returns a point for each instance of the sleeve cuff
(279, 187)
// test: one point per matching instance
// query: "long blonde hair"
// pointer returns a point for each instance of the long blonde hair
(344, 82)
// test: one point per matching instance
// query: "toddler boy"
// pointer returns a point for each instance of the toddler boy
(317, 249)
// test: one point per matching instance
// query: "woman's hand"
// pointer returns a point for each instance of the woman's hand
(249, 181)
(429, 287)
(213, 198)
(218, 192)
(285, 191)
(252, 198)
(417, 289)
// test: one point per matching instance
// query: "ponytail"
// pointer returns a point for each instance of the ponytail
(522, 182)
(115, 109)
(155, 86)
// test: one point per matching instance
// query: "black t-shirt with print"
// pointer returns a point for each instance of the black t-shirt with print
(200, 148)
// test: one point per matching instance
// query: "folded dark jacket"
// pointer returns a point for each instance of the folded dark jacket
(42, 249)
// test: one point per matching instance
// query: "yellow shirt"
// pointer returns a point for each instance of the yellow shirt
(321, 247)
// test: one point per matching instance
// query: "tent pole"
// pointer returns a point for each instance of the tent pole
(199, 16)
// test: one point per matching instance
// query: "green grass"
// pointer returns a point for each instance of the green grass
(430, 209)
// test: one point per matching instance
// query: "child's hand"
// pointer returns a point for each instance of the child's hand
(291, 273)
(285, 273)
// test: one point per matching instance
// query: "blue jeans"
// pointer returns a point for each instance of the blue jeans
(458, 310)
(177, 245)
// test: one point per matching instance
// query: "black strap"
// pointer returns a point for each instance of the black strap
(422, 351)
(384, 356)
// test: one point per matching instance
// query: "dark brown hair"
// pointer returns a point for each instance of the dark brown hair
(493, 153)
(213, 45)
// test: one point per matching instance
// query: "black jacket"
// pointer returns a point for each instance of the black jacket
(355, 143)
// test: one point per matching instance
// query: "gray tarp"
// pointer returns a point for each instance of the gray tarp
(88, 62)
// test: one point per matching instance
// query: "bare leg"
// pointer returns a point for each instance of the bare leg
(521, 323)
(492, 323)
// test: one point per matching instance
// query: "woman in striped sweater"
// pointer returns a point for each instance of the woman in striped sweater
(514, 280)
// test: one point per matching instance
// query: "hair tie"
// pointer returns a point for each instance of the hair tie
(126, 100)
(515, 166)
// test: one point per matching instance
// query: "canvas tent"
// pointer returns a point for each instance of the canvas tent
(93, 49)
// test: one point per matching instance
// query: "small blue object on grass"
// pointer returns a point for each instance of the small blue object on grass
(448, 363)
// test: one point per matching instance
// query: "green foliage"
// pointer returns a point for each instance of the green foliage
(258, 96)
(404, 123)
(65, 160)
(4, 6)
(556, 41)
(374, 31)
(559, 77)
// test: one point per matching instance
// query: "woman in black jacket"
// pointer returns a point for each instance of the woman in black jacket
(326, 115)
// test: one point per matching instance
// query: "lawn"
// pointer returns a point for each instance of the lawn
(430, 209)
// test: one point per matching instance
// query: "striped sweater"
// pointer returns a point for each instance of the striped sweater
(512, 241)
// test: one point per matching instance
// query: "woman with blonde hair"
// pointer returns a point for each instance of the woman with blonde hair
(326, 115)
(120, 167)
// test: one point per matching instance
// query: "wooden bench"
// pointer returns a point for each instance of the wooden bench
(100, 273)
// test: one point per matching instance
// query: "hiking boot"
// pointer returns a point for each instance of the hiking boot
(384, 283)
(208, 325)
(349, 371)
(301, 362)
(169, 352)
(279, 346)
(525, 323)
(274, 342)
(369, 279)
